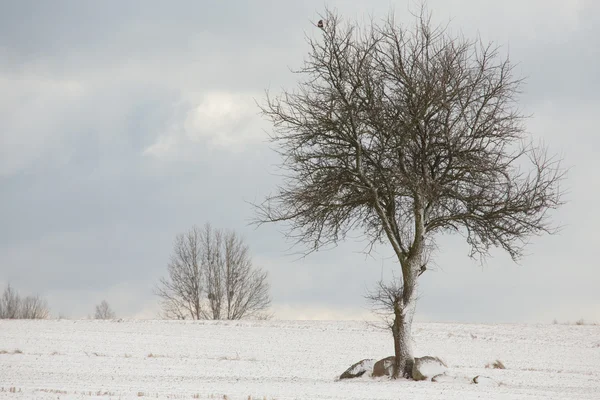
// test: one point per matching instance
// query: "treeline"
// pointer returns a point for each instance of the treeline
(210, 276)
(13, 306)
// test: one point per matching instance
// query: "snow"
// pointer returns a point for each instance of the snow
(429, 368)
(85, 359)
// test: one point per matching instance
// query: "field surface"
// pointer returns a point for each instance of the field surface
(82, 359)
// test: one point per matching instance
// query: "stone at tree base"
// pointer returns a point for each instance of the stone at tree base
(359, 369)
(384, 367)
(423, 368)
(427, 367)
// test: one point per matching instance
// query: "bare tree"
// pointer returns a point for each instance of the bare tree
(403, 133)
(182, 291)
(34, 307)
(103, 311)
(213, 262)
(10, 304)
(13, 307)
(245, 287)
(211, 276)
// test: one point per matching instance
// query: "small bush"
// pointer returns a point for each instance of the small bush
(103, 311)
(496, 365)
(17, 351)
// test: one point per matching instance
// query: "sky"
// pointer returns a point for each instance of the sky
(125, 123)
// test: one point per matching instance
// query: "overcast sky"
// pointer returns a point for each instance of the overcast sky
(124, 123)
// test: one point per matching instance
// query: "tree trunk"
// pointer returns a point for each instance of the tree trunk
(401, 330)
(404, 309)
(405, 305)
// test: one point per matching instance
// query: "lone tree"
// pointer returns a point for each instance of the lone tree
(103, 311)
(211, 276)
(404, 133)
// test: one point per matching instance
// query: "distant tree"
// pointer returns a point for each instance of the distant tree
(403, 134)
(103, 311)
(13, 307)
(33, 307)
(10, 304)
(211, 276)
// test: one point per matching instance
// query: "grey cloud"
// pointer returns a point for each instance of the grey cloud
(87, 212)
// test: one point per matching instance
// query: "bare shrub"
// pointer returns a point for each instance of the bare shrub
(496, 365)
(33, 307)
(12, 306)
(103, 311)
(16, 351)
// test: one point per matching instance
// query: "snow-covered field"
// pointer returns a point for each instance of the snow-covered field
(286, 360)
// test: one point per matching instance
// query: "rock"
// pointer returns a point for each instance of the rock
(427, 367)
(384, 367)
(484, 380)
(423, 368)
(359, 369)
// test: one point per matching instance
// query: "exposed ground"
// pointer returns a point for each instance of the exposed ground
(286, 360)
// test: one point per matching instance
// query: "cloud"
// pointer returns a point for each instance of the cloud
(217, 119)
(125, 123)
(33, 112)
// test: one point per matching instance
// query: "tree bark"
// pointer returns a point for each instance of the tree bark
(401, 329)
(404, 308)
